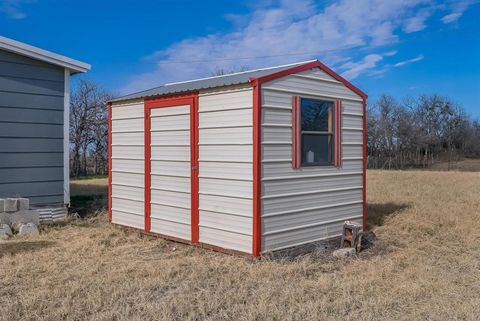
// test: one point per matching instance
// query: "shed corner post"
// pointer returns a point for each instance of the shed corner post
(364, 214)
(109, 109)
(147, 169)
(66, 138)
(257, 227)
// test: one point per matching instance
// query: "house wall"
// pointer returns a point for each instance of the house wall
(128, 171)
(310, 203)
(225, 168)
(31, 129)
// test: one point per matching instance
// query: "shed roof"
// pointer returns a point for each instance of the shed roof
(209, 82)
(263, 74)
(23, 49)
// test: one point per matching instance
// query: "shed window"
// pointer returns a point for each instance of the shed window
(316, 132)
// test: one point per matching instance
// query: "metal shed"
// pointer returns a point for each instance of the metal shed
(34, 124)
(249, 162)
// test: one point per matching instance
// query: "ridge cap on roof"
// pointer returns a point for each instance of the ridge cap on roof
(238, 73)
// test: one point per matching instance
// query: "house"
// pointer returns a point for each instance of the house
(34, 125)
(249, 162)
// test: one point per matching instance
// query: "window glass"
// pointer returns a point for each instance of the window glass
(317, 132)
(315, 114)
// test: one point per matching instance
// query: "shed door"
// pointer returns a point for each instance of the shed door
(172, 166)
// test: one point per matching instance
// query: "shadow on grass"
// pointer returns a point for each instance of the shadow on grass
(21, 247)
(87, 205)
(378, 212)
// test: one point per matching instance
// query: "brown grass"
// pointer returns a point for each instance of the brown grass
(464, 165)
(425, 266)
(89, 186)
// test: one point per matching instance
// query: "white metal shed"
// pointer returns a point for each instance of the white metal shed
(248, 162)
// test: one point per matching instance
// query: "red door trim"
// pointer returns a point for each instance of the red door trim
(109, 109)
(192, 100)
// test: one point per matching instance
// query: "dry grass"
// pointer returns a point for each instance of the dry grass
(464, 165)
(426, 266)
(89, 186)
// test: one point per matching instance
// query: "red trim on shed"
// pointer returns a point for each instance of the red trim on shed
(109, 108)
(171, 101)
(364, 163)
(257, 224)
(307, 66)
(147, 157)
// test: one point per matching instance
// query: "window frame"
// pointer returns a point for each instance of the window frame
(297, 133)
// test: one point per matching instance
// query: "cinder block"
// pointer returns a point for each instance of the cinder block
(20, 217)
(28, 229)
(23, 204)
(5, 231)
(2, 205)
(11, 204)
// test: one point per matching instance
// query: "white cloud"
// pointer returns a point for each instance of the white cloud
(449, 18)
(409, 61)
(456, 8)
(335, 33)
(354, 69)
(12, 8)
(417, 22)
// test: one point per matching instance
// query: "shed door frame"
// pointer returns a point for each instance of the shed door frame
(172, 101)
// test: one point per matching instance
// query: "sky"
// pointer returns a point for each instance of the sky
(403, 48)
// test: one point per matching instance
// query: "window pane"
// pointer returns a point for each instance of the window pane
(317, 149)
(316, 115)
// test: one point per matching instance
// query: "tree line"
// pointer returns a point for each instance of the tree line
(414, 132)
(417, 132)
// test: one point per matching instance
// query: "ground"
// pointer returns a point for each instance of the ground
(425, 266)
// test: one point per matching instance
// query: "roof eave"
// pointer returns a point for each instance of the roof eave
(20, 48)
(307, 66)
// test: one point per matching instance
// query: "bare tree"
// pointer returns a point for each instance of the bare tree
(88, 128)
(222, 71)
(419, 132)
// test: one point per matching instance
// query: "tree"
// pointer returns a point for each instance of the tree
(88, 128)
(419, 132)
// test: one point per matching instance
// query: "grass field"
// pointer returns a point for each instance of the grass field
(425, 266)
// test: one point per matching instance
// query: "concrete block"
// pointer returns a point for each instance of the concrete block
(23, 204)
(28, 229)
(344, 252)
(5, 231)
(11, 204)
(2, 205)
(19, 217)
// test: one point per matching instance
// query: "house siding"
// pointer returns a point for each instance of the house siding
(31, 129)
(310, 203)
(225, 167)
(128, 164)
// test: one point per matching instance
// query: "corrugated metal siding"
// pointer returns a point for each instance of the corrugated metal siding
(301, 206)
(171, 189)
(31, 129)
(128, 172)
(225, 168)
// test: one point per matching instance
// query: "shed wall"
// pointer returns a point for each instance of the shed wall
(128, 171)
(310, 203)
(225, 168)
(31, 129)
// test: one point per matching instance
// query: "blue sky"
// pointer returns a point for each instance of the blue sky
(399, 47)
